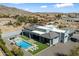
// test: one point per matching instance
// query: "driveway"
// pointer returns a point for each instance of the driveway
(60, 48)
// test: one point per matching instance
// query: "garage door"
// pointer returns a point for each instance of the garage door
(55, 41)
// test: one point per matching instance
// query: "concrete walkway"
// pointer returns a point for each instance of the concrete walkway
(26, 53)
(60, 48)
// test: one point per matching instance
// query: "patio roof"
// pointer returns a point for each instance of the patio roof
(50, 35)
(38, 32)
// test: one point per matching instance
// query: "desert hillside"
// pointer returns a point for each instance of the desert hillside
(12, 11)
(12, 19)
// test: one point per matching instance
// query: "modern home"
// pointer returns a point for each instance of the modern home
(48, 34)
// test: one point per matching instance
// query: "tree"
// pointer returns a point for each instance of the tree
(9, 23)
(17, 23)
(4, 15)
(75, 51)
(58, 16)
(0, 33)
(35, 20)
(4, 48)
(15, 17)
(2, 41)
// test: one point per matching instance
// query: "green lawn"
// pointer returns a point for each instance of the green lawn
(40, 48)
(24, 37)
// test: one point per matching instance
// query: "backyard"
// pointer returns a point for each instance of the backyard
(40, 46)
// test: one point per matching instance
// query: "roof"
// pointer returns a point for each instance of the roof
(58, 30)
(52, 28)
(69, 30)
(47, 28)
(50, 35)
(38, 32)
(74, 19)
(42, 27)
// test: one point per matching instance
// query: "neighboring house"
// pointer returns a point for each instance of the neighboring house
(68, 19)
(48, 34)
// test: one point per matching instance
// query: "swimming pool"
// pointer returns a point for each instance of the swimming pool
(23, 44)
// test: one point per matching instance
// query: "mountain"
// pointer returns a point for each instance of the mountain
(13, 11)
(42, 17)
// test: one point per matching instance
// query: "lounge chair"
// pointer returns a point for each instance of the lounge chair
(36, 48)
(31, 49)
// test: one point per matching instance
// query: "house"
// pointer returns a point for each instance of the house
(47, 34)
(68, 19)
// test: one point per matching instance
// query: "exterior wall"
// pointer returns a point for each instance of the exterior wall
(55, 41)
(61, 37)
(66, 38)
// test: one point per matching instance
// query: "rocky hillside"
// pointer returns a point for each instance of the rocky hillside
(12, 11)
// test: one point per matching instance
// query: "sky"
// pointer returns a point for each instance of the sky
(46, 7)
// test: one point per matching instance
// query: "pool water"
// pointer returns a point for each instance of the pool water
(23, 44)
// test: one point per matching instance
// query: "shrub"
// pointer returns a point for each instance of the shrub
(17, 51)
